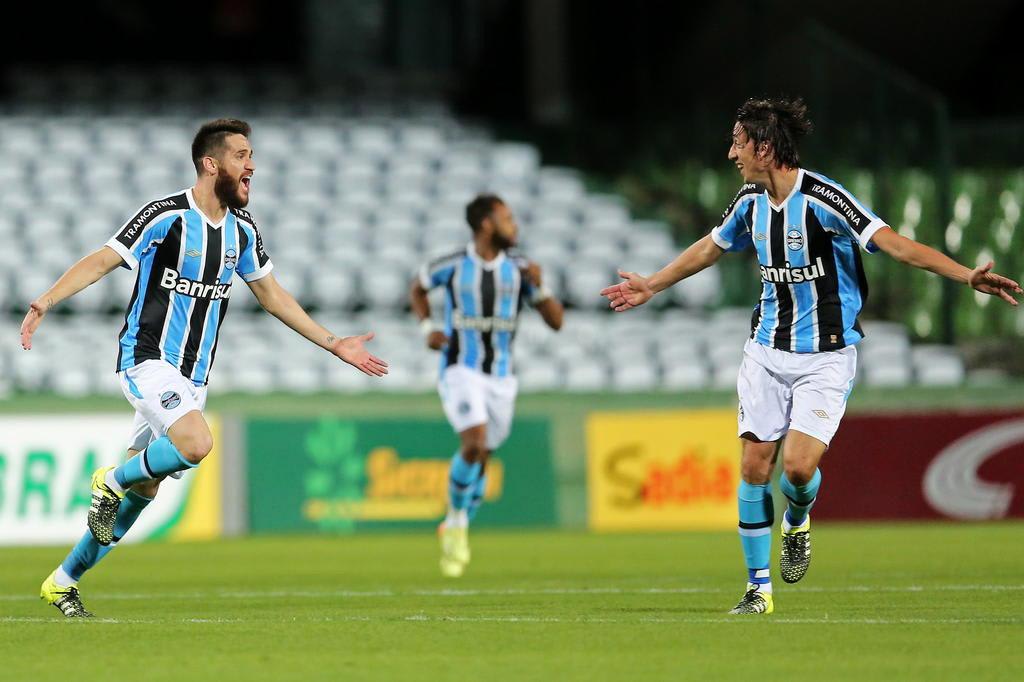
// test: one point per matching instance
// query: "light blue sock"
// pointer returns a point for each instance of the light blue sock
(461, 478)
(757, 514)
(476, 497)
(801, 497)
(87, 553)
(159, 459)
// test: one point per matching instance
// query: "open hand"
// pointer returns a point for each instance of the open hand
(987, 282)
(631, 293)
(351, 350)
(33, 318)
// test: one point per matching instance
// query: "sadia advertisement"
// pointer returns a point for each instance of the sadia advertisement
(668, 470)
(46, 463)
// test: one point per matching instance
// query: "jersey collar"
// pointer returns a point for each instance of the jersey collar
(796, 188)
(485, 264)
(206, 218)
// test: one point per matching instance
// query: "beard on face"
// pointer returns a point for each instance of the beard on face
(229, 190)
(501, 242)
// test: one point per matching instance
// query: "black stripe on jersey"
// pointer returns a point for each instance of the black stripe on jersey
(453, 341)
(777, 240)
(201, 306)
(837, 199)
(261, 253)
(154, 305)
(862, 282)
(749, 188)
(132, 229)
(487, 311)
(829, 305)
(216, 341)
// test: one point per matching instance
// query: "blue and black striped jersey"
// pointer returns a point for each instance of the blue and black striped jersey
(185, 263)
(813, 284)
(482, 304)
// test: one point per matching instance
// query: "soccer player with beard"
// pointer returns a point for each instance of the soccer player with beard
(486, 284)
(800, 360)
(186, 247)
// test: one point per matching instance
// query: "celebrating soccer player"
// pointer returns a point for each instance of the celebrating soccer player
(485, 284)
(186, 247)
(799, 363)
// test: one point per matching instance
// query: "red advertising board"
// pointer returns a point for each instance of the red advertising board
(955, 465)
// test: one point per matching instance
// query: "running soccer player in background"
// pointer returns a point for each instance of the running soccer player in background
(799, 363)
(186, 247)
(486, 284)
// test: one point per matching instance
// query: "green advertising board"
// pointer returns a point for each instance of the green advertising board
(339, 475)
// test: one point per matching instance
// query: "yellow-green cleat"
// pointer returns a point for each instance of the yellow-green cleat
(795, 558)
(103, 509)
(754, 602)
(66, 599)
(455, 554)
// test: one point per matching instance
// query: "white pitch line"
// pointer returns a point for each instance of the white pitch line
(527, 619)
(506, 592)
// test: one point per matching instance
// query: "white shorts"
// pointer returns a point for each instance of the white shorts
(160, 396)
(806, 392)
(471, 398)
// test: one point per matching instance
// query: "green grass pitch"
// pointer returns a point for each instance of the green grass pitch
(893, 602)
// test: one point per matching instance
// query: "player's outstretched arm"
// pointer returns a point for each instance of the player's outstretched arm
(925, 257)
(282, 305)
(636, 289)
(87, 271)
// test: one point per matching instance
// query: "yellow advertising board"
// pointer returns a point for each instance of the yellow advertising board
(665, 470)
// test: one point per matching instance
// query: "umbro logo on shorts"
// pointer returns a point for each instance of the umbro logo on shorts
(170, 400)
(821, 413)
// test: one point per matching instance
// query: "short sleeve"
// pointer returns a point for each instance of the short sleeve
(147, 227)
(438, 271)
(843, 213)
(253, 263)
(733, 233)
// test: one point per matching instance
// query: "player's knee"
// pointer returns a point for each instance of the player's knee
(197, 447)
(800, 472)
(756, 471)
(474, 452)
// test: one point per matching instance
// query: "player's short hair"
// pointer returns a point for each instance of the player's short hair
(480, 208)
(211, 135)
(780, 122)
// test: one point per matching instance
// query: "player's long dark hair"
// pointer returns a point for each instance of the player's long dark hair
(782, 123)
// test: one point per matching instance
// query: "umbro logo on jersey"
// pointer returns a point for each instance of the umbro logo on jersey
(760, 236)
(791, 275)
(794, 239)
(173, 281)
(192, 253)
